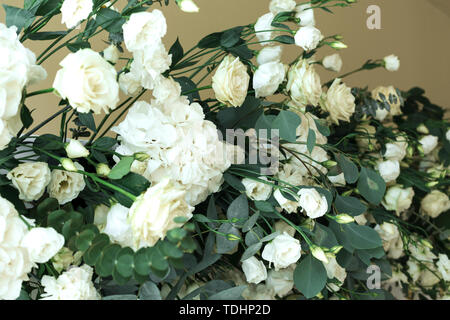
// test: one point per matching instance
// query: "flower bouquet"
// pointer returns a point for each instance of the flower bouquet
(237, 175)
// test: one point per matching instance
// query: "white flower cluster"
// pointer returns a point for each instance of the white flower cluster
(17, 69)
(182, 145)
(21, 249)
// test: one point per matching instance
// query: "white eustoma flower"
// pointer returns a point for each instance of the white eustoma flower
(255, 271)
(391, 63)
(443, 265)
(267, 78)
(187, 6)
(333, 62)
(305, 14)
(339, 102)
(75, 149)
(277, 6)
(304, 84)
(313, 203)
(269, 54)
(230, 82)
(130, 83)
(308, 38)
(111, 54)
(74, 284)
(281, 281)
(30, 178)
(65, 186)
(75, 11)
(263, 28)
(88, 81)
(282, 251)
(143, 29)
(429, 143)
(389, 170)
(42, 243)
(396, 150)
(447, 135)
(117, 227)
(152, 214)
(255, 190)
(286, 204)
(335, 271)
(398, 199)
(435, 203)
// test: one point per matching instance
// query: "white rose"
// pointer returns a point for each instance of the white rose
(337, 180)
(269, 54)
(305, 14)
(263, 29)
(30, 178)
(42, 244)
(282, 251)
(339, 102)
(117, 226)
(428, 278)
(143, 29)
(75, 11)
(65, 186)
(288, 205)
(304, 84)
(256, 190)
(413, 269)
(267, 78)
(254, 270)
(130, 84)
(447, 135)
(387, 231)
(277, 6)
(391, 63)
(389, 170)
(75, 149)
(443, 265)
(187, 6)
(313, 203)
(335, 271)
(88, 81)
(332, 62)
(420, 251)
(396, 150)
(308, 38)
(429, 143)
(74, 284)
(152, 214)
(281, 281)
(111, 54)
(398, 199)
(435, 203)
(230, 82)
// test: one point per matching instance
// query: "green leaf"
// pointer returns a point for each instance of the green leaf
(285, 39)
(349, 205)
(87, 120)
(234, 182)
(110, 20)
(310, 276)
(186, 86)
(311, 140)
(49, 35)
(348, 167)
(25, 117)
(48, 142)
(234, 293)
(238, 209)
(149, 291)
(323, 128)
(104, 143)
(21, 18)
(287, 123)
(248, 225)
(225, 245)
(324, 236)
(264, 206)
(177, 52)
(371, 185)
(105, 265)
(362, 237)
(210, 41)
(121, 169)
(265, 123)
(251, 251)
(74, 47)
(229, 38)
(84, 239)
(125, 262)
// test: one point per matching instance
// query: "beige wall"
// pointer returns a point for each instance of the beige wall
(415, 30)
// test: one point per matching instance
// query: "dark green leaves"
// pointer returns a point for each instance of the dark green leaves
(238, 209)
(110, 20)
(285, 39)
(21, 18)
(177, 52)
(227, 238)
(362, 237)
(25, 117)
(287, 123)
(47, 35)
(348, 167)
(310, 276)
(349, 205)
(210, 41)
(311, 140)
(230, 37)
(371, 186)
(121, 169)
(87, 120)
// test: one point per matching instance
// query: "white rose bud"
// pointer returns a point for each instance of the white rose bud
(389, 170)
(308, 38)
(318, 253)
(435, 203)
(344, 218)
(68, 164)
(282, 251)
(256, 190)
(269, 54)
(75, 11)
(268, 78)
(333, 62)
(187, 6)
(42, 244)
(398, 199)
(313, 203)
(286, 204)
(75, 149)
(111, 54)
(339, 102)
(30, 178)
(429, 143)
(254, 270)
(230, 82)
(392, 63)
(305, 14)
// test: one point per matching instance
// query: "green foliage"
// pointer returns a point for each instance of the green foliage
(371, 185)
(310, 276)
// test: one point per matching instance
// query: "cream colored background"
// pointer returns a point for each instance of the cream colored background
(415, 30)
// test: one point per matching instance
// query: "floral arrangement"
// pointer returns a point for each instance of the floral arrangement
(260, 182)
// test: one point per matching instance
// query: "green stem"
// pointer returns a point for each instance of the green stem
(196, 90)
(35, 93)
